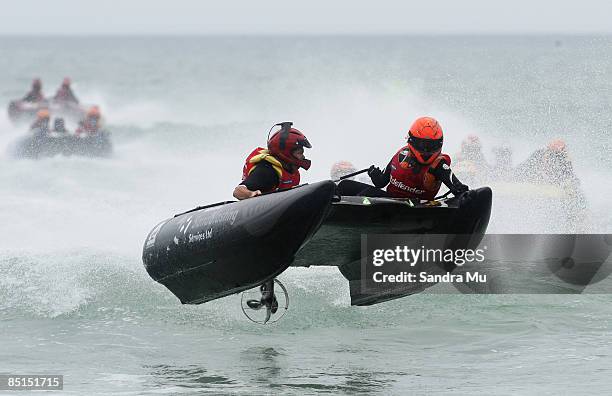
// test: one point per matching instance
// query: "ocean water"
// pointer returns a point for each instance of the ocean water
(184, 112)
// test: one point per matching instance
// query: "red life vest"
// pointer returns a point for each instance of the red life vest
(286, 179)
(409, 179)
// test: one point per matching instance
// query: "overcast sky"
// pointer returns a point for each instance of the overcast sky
(77, 17)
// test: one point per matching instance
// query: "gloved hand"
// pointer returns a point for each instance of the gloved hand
(374, 173)
(460, 188)
(467, 197)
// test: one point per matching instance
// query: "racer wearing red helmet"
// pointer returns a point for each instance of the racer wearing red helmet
(35, 94)
(65, 94)
(277, 167)
(419, 168)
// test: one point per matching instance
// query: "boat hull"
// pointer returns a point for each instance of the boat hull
(227, 248)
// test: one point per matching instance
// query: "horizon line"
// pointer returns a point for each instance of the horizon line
(277, 35)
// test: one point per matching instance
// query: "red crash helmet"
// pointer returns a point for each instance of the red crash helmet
(285, 141)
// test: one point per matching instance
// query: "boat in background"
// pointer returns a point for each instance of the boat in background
(20, 111)
(36, 145)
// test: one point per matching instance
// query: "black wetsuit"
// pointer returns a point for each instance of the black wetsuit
(355, 188)
(263, 178)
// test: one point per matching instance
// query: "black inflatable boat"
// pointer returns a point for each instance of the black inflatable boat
(338, 242)
(20, 111)
(225, 248)
(37, 145)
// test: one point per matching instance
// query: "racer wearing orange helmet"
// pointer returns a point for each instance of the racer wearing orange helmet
(277, 167)
(471, 150)
(419, 168)
(43, 114)
(35, 94)
(65, 94)
(41, 124)
(549, 164)
(91, 124)
(94, 111)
